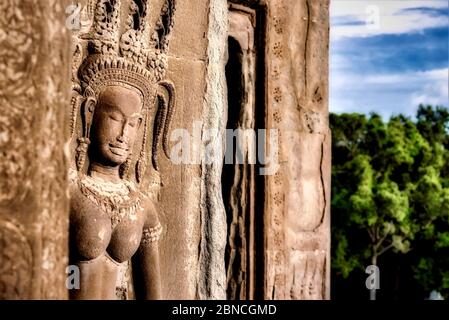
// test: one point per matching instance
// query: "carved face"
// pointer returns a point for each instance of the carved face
(115, 124)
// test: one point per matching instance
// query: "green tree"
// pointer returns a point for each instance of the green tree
(388, 192)
(430, 261)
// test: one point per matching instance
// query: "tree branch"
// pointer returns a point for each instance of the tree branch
(371, 235)
(386, 249)
(381, 241)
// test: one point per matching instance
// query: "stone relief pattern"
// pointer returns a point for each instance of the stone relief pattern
(19, 48)
(32, 105)
(142, 50)
(308, 82)
(308, 274)
(16, 263)
(55, 89)
(18, 34)
(276, 252)
(130, 52)
(290, 109)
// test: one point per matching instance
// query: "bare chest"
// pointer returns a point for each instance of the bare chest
(96, 229)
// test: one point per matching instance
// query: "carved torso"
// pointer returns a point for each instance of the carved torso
(121, 112)
(102, 226)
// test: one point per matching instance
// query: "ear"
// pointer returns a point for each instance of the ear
(141, 120)
(88, 113)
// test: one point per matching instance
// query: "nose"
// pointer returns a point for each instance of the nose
(124, 136)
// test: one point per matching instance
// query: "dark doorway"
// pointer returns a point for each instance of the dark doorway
(240, 185)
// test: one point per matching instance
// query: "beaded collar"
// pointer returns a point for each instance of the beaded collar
(119, 200)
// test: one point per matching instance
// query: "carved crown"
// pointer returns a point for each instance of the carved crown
(122, 46)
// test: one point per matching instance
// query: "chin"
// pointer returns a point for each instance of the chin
(117, 160)
(113, 160)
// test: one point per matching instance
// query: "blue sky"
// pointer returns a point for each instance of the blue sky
(388, 56)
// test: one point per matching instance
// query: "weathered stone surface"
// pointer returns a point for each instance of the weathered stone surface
(34, 90)
(289, 92)
(296, 216)
(180, 198)
(211, 272)
(183, 204)
(238, 179)
(297, 212)
(122, 112)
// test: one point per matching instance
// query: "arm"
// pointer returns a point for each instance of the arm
(149, 255)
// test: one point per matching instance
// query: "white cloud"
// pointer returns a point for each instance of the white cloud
(436, 93)
(437, 75)
(384, 17)
(388, 94)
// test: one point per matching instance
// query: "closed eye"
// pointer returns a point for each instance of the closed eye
(134, 122)
(114, 117)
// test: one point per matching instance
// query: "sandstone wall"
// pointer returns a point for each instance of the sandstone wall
(296, 208)
(293, 46)
(188, 200)
(295, 216)
(34, 93)
(297, 205)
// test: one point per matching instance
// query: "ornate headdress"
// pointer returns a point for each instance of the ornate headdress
(122, 49)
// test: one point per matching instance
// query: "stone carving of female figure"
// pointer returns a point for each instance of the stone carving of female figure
(113, 219)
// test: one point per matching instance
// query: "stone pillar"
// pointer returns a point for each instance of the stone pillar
(192, 247)
(34, 93)
(211, 268)
(297, 197)
(291, 260)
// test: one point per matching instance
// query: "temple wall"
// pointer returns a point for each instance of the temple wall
(34, 93)
(297, 203)
(291, 233)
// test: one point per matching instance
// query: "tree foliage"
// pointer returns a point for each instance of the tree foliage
(390, 193)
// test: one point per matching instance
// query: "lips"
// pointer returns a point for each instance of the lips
(119, 150)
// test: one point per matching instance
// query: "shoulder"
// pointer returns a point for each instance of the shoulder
(77, 201)
(149, 209)
(80, 205)
(150, 212)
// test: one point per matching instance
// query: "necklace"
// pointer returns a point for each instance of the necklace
(118, 200)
